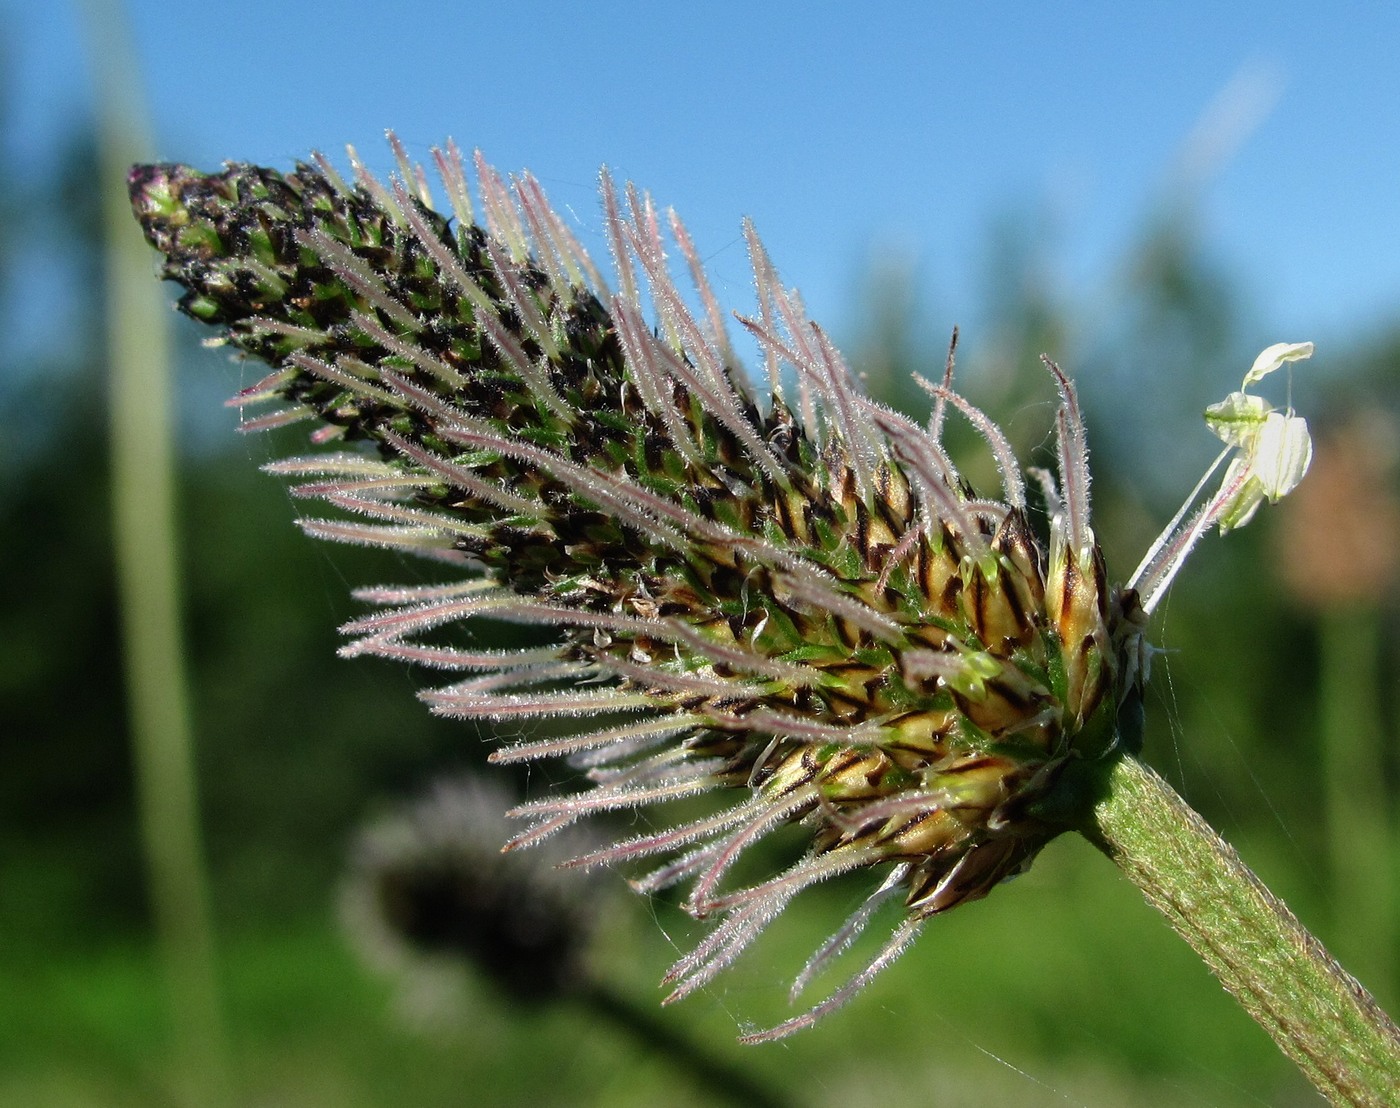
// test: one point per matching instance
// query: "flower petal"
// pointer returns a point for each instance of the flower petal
(1282, 453)
(1274, 356)
(1236, 419)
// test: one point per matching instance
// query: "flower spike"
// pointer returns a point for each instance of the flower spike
(810, 609)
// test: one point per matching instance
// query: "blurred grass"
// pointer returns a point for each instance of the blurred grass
(147, 553)
(1070, 979)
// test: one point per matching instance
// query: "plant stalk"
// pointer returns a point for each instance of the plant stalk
(1317, 1013)
(148, 581)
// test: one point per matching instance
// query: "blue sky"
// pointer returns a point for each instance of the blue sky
(910, 127)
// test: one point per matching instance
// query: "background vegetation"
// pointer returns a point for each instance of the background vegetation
(1271, 710)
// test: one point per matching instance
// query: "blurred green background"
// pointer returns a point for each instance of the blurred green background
(1271, 709)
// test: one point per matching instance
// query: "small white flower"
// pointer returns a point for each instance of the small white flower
(1274, 448)
(1271, 453)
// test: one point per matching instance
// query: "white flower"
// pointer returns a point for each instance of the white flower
(1274, 448)
(1271, 451)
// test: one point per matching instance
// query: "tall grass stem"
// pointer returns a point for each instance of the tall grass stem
(143, 520)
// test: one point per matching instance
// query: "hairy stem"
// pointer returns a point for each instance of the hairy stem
(1316, 1012)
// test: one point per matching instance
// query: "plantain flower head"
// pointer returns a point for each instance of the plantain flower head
(795, 603)
(428, 893)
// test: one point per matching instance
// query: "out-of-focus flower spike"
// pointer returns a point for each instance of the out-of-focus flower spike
(429, 884)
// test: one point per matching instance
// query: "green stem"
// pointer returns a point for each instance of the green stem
(717, 1075)
(1316, 1012)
